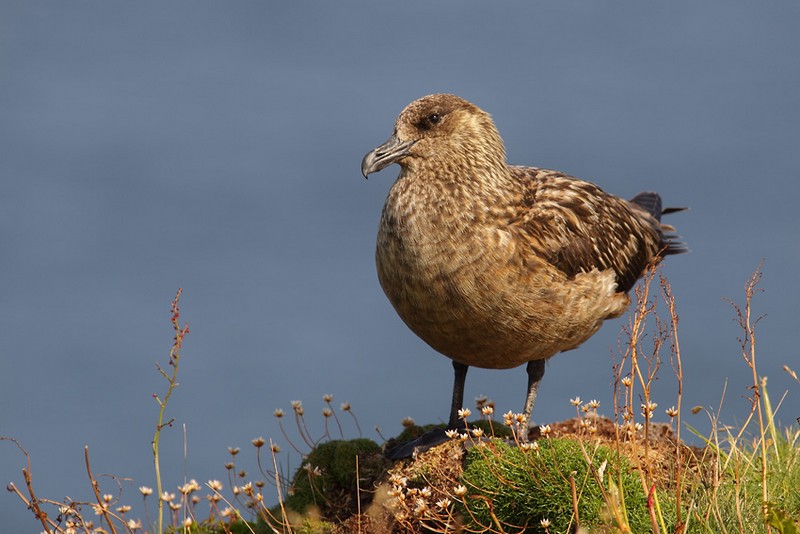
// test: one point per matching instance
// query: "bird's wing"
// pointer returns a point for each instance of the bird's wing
(576, 226)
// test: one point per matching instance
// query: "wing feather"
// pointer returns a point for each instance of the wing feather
(577, 227)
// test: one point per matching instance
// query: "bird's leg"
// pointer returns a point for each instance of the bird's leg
(535, 373)
(437, 435)
(458, 392)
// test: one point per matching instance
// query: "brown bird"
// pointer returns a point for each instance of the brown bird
(495, 265)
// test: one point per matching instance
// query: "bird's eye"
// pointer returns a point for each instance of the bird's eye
(434, 118)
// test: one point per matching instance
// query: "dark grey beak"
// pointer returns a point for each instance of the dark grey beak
(386, 154)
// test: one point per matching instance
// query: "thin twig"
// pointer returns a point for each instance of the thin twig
(96, 487)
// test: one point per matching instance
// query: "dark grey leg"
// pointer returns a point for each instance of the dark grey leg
(458, 393)
(535, 373)
(437, 435)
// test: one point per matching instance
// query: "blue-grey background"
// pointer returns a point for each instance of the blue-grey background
(215, 146)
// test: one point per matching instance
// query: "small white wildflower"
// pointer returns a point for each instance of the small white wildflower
(345, 407)
(398, 480)
(594, 404)
(124, 509)
(443, 504)
(258, 442)
(425, 492)
(297, 406)
(407, 422)
(313, 470)
(278, 413)
(395, 491)
(477, 432)
(576, 401)
(144, 490)
(327, 412)
(167, 496)
(107, 498)
(545, 430)
(327, 398)
(451, 433)
(463, 413)
(626, 381)
(487, 410)
(134, 524)
(460, 490)
(672, 411)
(421, 507)
(215, 485)
(545, 523)
(187, 522)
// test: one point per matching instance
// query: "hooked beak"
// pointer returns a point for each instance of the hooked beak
(386, 154)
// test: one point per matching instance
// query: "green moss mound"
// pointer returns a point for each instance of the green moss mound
(521, 488)
(327, 478)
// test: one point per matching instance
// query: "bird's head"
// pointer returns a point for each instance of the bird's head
(439, 131)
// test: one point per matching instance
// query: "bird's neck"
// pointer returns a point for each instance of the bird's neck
(451, 194)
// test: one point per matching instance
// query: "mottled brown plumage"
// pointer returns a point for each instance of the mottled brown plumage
(495, 265)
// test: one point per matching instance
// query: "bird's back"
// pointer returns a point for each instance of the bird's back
(576, 226)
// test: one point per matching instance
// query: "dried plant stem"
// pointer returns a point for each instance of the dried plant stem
(669, 299)
(643, 309)
(358, 495)
(174, 358)
(749, 354)
(96, 488)
(33, 502)
(284, 515)
(574, 491)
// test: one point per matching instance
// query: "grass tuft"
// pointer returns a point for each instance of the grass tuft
(522, 488)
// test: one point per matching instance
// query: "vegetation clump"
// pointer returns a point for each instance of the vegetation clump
(328, 478)
(523, 486)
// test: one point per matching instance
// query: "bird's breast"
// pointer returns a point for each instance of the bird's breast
(440, 267)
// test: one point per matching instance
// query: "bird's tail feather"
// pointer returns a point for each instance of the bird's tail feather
(651, 203)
